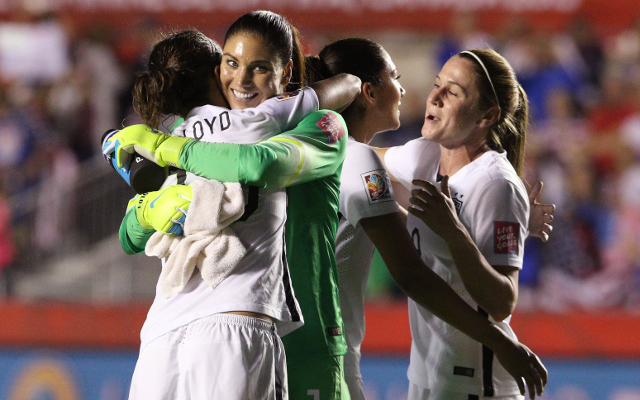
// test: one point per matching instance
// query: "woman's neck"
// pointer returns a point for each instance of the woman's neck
(453, 160)
(358, 128)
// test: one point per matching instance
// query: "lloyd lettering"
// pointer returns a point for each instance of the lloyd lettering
(199, 129)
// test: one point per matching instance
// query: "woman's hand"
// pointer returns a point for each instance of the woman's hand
(540, 217)
(435, 207)
(523, 365)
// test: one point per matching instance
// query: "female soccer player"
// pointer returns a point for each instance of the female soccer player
(369, 215)
(472, 231)
(191, 342)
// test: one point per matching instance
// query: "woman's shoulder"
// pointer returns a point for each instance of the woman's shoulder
(361, 158)
(494, 172)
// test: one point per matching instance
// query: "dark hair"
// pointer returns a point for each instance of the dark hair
(180, 72)
(360, 57)
(282, 38)
(509, 132)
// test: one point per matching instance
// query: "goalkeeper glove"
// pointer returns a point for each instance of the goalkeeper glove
(139, 173)
(160, 148)
(164, 210)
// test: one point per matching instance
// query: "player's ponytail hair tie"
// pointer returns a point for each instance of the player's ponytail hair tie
(472, 54)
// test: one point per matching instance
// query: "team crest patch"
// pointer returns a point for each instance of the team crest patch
(505, 237)
(332, 128)
(377, 186)
(288, 95)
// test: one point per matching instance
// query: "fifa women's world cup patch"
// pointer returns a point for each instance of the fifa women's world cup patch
(505, 237)
(332, 127)
(288, 95)
(377, 185)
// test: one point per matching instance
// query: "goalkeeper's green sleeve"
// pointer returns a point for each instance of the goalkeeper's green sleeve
(312, 150)
(133, 237)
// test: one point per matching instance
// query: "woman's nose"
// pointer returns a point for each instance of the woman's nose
(243, 77)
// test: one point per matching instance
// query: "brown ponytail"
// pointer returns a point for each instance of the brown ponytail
(180, 73)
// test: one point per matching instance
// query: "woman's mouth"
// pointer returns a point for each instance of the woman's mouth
(243, 96)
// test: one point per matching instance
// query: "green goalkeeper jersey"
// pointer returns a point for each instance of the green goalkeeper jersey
(307, 161)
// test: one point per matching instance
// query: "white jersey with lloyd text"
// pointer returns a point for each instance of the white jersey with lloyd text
(492, 203)
(260, 282)
(365, 191)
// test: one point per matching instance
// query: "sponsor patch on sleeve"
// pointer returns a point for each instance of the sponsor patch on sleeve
(377, 186)
(505, 237)
(332, 128)
(288, 95)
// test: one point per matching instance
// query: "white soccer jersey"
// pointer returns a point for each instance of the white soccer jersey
(365, 191)
(260, 282)
(493, 205)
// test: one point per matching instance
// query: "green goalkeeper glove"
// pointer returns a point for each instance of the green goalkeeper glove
(164, 210)
(155, 146)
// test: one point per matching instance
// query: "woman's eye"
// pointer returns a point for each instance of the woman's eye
(261, 69)
(435, 85)
(452, 93)
(398, 77)
(232, 63)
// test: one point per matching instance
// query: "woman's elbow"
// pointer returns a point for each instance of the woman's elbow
(503, 311)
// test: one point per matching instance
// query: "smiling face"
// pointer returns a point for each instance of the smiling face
(250, 72)
(453, 115)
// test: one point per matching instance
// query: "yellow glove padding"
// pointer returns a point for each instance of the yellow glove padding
(155, 146)
(164, 210)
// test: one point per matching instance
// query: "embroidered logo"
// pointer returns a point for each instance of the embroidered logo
(377, 185)
(288, 95)
(457, 201)
(332, 128)
(505, 237)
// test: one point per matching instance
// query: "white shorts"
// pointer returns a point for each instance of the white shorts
(222, 356)
(419, 393)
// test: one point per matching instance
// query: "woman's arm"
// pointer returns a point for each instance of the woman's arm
(312, 150)
(133, 237)
(494, 288)
(337, 92)
(315, 148)
(389, 234)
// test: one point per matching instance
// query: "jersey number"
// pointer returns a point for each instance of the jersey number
(315, 393)
(252, 204)
(415, 236)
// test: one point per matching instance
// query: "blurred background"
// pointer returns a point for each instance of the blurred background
(72, 303)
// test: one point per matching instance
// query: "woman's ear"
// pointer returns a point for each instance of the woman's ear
(286, 74)
(369, 93)
(490, 117)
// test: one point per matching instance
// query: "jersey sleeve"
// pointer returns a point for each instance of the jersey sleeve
(501, 221)
(365, 187)
(314, 149)
(133, 237)
(289, 109)
(403, 161)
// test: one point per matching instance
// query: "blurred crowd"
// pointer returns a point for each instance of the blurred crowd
(583, 142)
